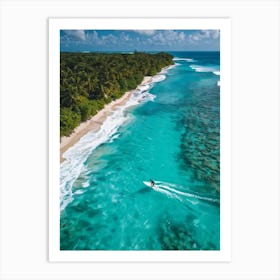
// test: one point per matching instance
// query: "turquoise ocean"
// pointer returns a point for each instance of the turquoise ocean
(168, 131)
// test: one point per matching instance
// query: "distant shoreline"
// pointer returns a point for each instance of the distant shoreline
(95, 122)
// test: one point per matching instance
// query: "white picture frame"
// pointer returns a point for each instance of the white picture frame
(222, 24)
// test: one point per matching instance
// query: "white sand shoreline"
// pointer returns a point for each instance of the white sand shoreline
(94, 123)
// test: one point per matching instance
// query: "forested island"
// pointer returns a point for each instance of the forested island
(88, 81)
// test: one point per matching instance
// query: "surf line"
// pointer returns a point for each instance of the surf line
(76, 155)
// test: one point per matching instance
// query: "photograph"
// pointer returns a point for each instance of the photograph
(140, 139)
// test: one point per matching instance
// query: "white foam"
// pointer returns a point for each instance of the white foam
(167, 193)
(115, 136)
(158, 78)
(185, 59)
(166, 69)
(79, 192)
(144, 87)
(146, 96)
(139, 97)
(218, 83)
(199, 68)
(76, 156)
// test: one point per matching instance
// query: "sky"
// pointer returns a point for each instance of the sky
(139, 40)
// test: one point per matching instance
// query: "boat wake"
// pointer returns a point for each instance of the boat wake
(173, 191)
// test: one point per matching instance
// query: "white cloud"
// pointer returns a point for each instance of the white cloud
(92, 36)
(182, 36)
(168, 37)
(109, 39)
(76, 34)
(194, 37)
(215, 34)
(204, 35)
(157, 39)
(124, 37)
(148, 32)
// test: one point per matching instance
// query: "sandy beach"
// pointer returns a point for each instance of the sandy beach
(95, 122)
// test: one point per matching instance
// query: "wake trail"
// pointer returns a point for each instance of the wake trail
(164, 186)
(168, 193)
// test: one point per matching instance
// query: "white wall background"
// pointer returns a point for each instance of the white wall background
(24, 139)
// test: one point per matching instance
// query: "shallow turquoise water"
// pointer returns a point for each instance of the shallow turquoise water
(173, 139)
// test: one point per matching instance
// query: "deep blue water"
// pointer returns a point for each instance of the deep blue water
(173, 137)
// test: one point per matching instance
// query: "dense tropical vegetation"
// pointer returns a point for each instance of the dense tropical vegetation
(88, 81)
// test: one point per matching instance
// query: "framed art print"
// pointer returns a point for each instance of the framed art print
(139, 139)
